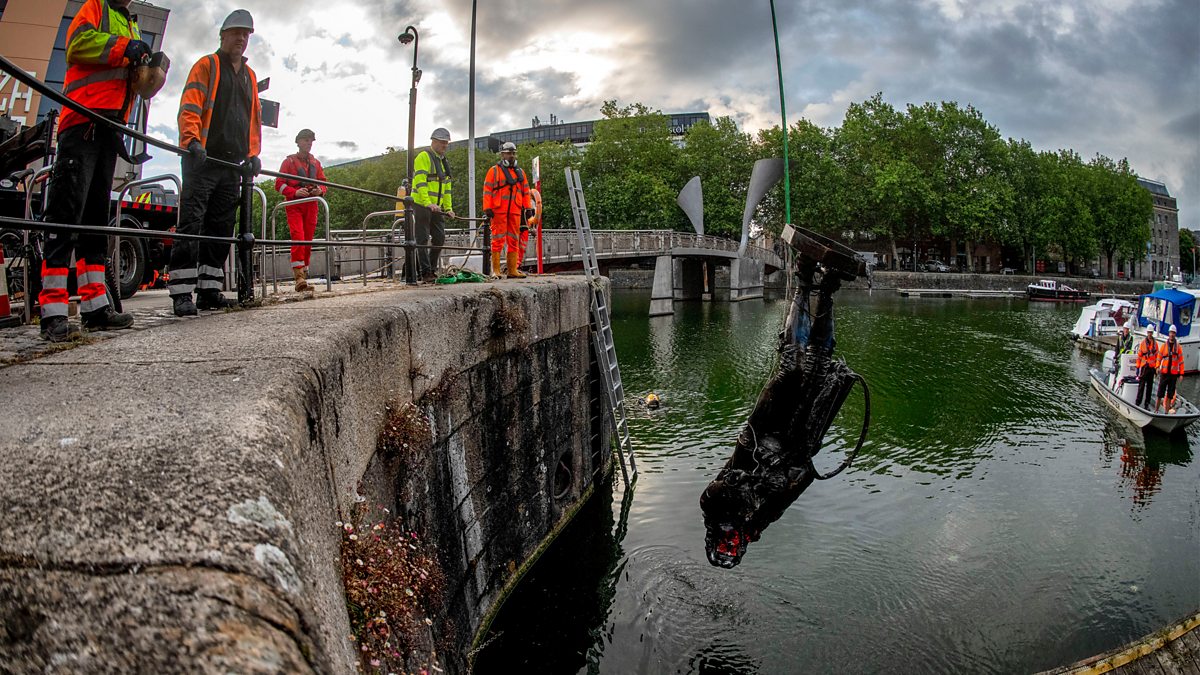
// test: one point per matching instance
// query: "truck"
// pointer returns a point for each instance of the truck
(141, 262)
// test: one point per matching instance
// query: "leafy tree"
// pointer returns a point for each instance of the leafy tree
(1120, 208)
(630, 171)
(1187, 250)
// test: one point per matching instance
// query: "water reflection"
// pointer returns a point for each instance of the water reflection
(722, 659)
(559, 628)
(1142, 460)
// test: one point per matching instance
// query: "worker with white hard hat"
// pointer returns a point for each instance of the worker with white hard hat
(220, 117)
(1170, 369)
(1147, 365)
(431, 200)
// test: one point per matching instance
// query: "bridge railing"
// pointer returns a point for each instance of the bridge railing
(562, 246)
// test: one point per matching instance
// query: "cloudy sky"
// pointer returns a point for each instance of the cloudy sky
(1116, 77)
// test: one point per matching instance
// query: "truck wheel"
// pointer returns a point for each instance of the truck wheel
(132, 267)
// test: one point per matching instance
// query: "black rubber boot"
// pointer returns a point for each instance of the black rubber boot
(58, 329)
(212, 299)
(184, 305)
(106, 318)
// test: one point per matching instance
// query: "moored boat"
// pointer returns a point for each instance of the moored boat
(1052, 291)
(1103, 319)
(1119, 391)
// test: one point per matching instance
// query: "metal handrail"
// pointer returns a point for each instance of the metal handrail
(275, 250)
(369, 216)
(114, 246)
(32, 180)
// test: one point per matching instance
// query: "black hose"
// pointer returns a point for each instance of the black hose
(862, 437)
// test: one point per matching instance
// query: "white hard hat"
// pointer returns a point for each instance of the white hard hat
(440, 134)
(508, 146)
(1171, 329)
(238, 18)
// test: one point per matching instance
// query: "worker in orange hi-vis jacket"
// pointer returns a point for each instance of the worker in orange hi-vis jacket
(220, 117)
(103, 43)
(506, 201)
(302, 218)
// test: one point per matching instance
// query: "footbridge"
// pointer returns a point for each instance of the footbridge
(685, 264)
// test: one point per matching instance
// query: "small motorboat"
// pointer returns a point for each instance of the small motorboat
(1119, 391)
(1052, 291)
(1104, 318)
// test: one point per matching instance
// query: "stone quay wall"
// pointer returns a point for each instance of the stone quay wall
(171, 495)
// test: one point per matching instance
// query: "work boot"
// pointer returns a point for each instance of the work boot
(514, 266)
(301, 282)
(58, 329)
(496, 263)
(106, 318)
(211, 298)
(184, 305)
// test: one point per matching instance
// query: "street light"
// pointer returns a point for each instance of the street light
(410, 253)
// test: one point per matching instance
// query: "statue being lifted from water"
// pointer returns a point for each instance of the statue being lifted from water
(773, 460)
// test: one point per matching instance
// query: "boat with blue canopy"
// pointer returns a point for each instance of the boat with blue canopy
(1172, 307)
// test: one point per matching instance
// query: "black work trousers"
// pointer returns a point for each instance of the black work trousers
(79, 193)
(209, 206)
(1166, 387)
(1145, 395)
(432, 232)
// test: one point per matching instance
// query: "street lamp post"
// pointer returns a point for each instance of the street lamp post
(471, 127)
(410, 223)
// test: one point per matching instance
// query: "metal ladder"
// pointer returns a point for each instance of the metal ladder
(602, 336)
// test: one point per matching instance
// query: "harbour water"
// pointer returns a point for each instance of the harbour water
(1000, 518)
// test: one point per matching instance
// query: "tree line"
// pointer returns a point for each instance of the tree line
(899, 176)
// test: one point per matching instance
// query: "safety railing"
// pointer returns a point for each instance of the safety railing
(114, 243)
(320, 201)
(32, 178)
(244, 242)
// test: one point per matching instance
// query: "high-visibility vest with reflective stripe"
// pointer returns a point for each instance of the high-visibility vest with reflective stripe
(98, 73)
(503, 196)
(199, 97)
(1148, 353)
(431, 186)
(1170, 361)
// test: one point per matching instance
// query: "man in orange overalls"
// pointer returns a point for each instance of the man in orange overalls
(506, 201)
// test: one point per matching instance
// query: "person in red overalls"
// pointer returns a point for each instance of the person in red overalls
(302, 218)
(506, 202)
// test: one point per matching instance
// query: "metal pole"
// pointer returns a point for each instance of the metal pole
(787, 183)
(410, 223)
(245, 245)
(471, 126)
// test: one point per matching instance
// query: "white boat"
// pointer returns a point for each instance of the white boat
(1171, 307)
(1103, 318)
(1119, 391)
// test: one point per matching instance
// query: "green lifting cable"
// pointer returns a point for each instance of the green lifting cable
(787, 181)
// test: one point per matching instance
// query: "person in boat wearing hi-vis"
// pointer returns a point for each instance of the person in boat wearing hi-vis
(1147, 363)
(1170, 367)
(1124, 341)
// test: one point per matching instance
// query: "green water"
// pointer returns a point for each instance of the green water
(999, 520)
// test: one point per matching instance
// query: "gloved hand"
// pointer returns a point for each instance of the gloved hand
(136, 51)
(199, 154)
(255, 165)
(488, 213)
(530, 213)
